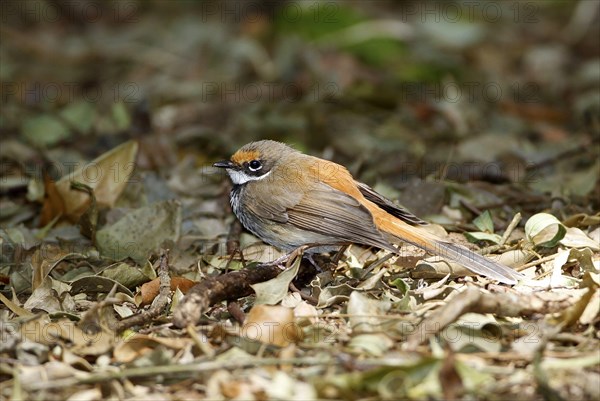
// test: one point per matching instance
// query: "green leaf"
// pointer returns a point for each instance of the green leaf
(121, 116)
(44, 130)
(481, 236)
(80, 115)
(313, 20)
(401, 285)
(473, 378)
(484, 222)
(544, 230)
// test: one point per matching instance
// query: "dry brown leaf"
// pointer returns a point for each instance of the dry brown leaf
(33, 376)
(46, 258)
(139, 344)
(14, 308)
(271, 325)
(106, 175)
(88, 221)
(450, 380)
(150, 290)
(53, 202)
(43, 330)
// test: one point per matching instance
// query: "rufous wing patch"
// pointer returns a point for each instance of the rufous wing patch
(242, 156)
(338, 177)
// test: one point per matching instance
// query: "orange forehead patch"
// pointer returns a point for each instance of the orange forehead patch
(245, 156)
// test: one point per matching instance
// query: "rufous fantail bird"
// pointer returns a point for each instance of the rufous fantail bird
(289, 199)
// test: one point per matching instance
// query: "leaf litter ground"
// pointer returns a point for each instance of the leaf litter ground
(109, 212)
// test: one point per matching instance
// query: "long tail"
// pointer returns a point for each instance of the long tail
(385, 215)
(476, 263)
(456, 253)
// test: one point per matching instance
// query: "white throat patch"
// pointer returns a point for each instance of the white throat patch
(239, 177)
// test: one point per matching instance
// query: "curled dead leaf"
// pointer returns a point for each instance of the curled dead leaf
(106, 175)
(137, 345)
(150, 290)
(272, 325)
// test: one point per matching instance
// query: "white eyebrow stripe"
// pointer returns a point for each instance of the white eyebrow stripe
(239, 177)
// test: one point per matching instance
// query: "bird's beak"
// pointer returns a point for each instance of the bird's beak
(224, 164)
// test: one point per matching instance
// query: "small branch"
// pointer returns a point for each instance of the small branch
(90, 318)
(178, 369)
(472, 208)
(474, 300)
(513, 224)
(309, 298)
(236, 312)
(233, 237)
(560, 157)
(537, 262)
(229, 286)
(375, 264)
(201, 341)
(160, 302)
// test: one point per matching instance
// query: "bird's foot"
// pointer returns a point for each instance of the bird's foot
(285, 261)
(312, 261)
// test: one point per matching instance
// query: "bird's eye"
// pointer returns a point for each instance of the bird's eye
(255, 165)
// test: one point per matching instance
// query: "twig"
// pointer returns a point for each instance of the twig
(476, 301)
(232, 255)
(159, 303)
(304, 296)
(444, 170)
(338, 255)
(90, 318)
(201, 341)
(537, 262)
(513, 224)
(472, 208)
(538, 200)
(229, 286)
(178, 369)
(233, 237)
(375, 264)
(575, 152)
(236, 312)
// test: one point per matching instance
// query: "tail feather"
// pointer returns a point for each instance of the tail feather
(456, 253)
(477, 263)
(419, 236)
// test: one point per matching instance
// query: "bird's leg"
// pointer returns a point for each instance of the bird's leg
(284, 262)
(280, 261)
(312, 261)
(335, 260)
